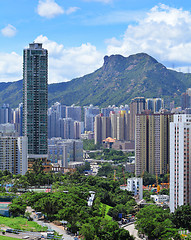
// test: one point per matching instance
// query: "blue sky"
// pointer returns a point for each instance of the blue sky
(79, 33)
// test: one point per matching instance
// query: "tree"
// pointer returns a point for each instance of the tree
(164, 191)
(88, 231)
(155, 223)
(114, 212)
(105, 170)
(182, 217)
(124, 235)
(18, 207)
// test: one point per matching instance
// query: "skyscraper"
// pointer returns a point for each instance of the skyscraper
(137, 106)
(35, 100)
(152, 143)
(180, 161)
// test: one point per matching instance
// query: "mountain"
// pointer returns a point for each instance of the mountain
(118, 81)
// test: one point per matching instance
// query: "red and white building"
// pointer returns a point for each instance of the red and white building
(180, 161)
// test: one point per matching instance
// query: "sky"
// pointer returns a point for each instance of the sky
(79, 33)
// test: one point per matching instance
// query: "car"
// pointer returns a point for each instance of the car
(9, 230)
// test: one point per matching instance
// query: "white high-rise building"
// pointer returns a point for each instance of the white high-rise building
(13, 150)
(180, 161)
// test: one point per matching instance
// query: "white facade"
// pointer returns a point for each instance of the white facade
(160, 198)
(13, 154)
(180, 161)
(135, 185)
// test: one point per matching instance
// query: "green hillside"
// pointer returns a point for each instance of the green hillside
(118, 81)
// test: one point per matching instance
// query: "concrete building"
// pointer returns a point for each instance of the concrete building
(77, 130)
(102, 128)
(116, 126)
(64, 151)
(159, 104)
(6, 114)
(35, 100)
(160, 198)
(154, 104)
(55, 112)
(73, 112)
(137, 106)
(186, 99)
(152, 151)
(18, 119)
(135, 185)
(65, 128)
(89, 117)
(180, 161)
(106, 111)
(150, 104)
(13, 150)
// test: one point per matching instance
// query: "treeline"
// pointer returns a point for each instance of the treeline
(157, 223)
(68, 201)
(111, 154)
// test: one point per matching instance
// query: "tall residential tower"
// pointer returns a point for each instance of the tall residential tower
(180, 161)
(35, 100)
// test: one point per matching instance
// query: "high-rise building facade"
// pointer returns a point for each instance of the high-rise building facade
(6, 114)
(13, 150)
(35, 100)
(152, 143)
(89, 117)
(73, 112)
(180, 161)
(102, 128)
(115, 126)
(17, 119)
(137, 106)
(186, 99)
(63, 151)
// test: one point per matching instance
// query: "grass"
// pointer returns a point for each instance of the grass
(7, 238)
(20, 223)
(105, 207)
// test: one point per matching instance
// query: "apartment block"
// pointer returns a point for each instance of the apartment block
(180, 161)
(152, 141)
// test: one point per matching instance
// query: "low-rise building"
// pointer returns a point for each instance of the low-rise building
(135, 185)
(160, 198)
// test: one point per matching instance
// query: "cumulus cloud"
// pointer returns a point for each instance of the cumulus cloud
(9, 31)
(164, 33)
(10, 67)
(49, 8)
(68, 63)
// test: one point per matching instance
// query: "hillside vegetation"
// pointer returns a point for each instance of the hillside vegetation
(118, 81)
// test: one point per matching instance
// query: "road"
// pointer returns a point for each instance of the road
(132, 231)
(52, 226)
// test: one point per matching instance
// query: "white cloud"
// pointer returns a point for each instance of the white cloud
(10, 67)
(66, 64)
(49, 8)
(71, 10)
(164, 33)
(9, 31)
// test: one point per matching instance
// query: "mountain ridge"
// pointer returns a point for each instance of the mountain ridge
(118, 81)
